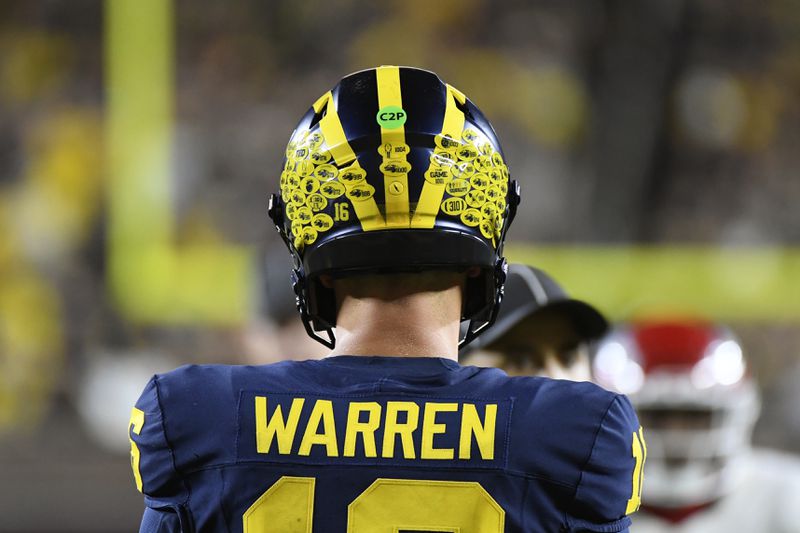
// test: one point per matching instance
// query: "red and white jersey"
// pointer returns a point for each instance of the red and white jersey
(767, 500)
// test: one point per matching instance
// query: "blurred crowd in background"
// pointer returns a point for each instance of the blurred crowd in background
(656, 122)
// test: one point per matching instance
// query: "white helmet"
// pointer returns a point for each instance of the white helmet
(689, 383)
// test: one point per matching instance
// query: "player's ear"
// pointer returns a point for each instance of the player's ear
(327, 281)
(473, 272)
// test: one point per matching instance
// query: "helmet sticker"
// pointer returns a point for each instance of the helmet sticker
(320, 158)
(326, 172)
(454, 206)
(391, 117)
(476, 198)
(292, 180)
(316, 202)
(297, 196)
(305, 167)
(463, 169)
(457, 187)
(396, 187)
(445, 142)
(303, 215)
(309, 185)
(395, 167)
(487, 228)
(471, 217)
(437, 175)
(467, 152)
(361, 192)
(498, 225)
(440, 157)
(291, 212)
(315, 140)
(493, 194)
(482, 163)
(479, 181)
(469, 135)
(332, 189)
(394, 150)
(309, 235)
(322, 222)
(488, 210)
(353, 174)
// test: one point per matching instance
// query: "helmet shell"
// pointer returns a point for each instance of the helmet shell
(394, 171)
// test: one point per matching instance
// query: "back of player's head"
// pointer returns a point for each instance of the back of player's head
(394, 171)
(697, 402)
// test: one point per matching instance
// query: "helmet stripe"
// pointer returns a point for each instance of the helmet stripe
(431, 196)
(366, 210)
(395, 184)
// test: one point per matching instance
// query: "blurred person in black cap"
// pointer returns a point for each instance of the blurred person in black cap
(539, 330)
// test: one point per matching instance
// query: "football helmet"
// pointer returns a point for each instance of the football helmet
(689, 382)
(394, 171)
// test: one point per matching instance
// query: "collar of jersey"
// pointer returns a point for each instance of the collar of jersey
(412, 364)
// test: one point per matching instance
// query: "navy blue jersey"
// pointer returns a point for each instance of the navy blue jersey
(382, 445)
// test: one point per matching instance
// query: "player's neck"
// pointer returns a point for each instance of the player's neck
(424, 324)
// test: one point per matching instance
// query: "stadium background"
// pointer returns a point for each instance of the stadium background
(656, 144)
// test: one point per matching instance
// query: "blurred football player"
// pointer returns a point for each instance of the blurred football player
(539, 330)
(690, 384)
(395, 201)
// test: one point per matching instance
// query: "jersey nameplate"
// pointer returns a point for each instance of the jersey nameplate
(311, 429)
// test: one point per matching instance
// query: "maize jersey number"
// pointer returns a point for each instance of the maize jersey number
(639, 450)
(387, 505)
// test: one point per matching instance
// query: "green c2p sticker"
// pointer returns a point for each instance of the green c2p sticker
(391, 117)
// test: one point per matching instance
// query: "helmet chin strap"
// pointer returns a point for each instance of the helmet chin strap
(298, 285)
(500, 273)
(275, 212)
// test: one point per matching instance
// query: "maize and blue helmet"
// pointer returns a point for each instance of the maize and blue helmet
(394, 171)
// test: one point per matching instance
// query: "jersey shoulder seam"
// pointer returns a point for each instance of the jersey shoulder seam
(170, 447)
(594, 445)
